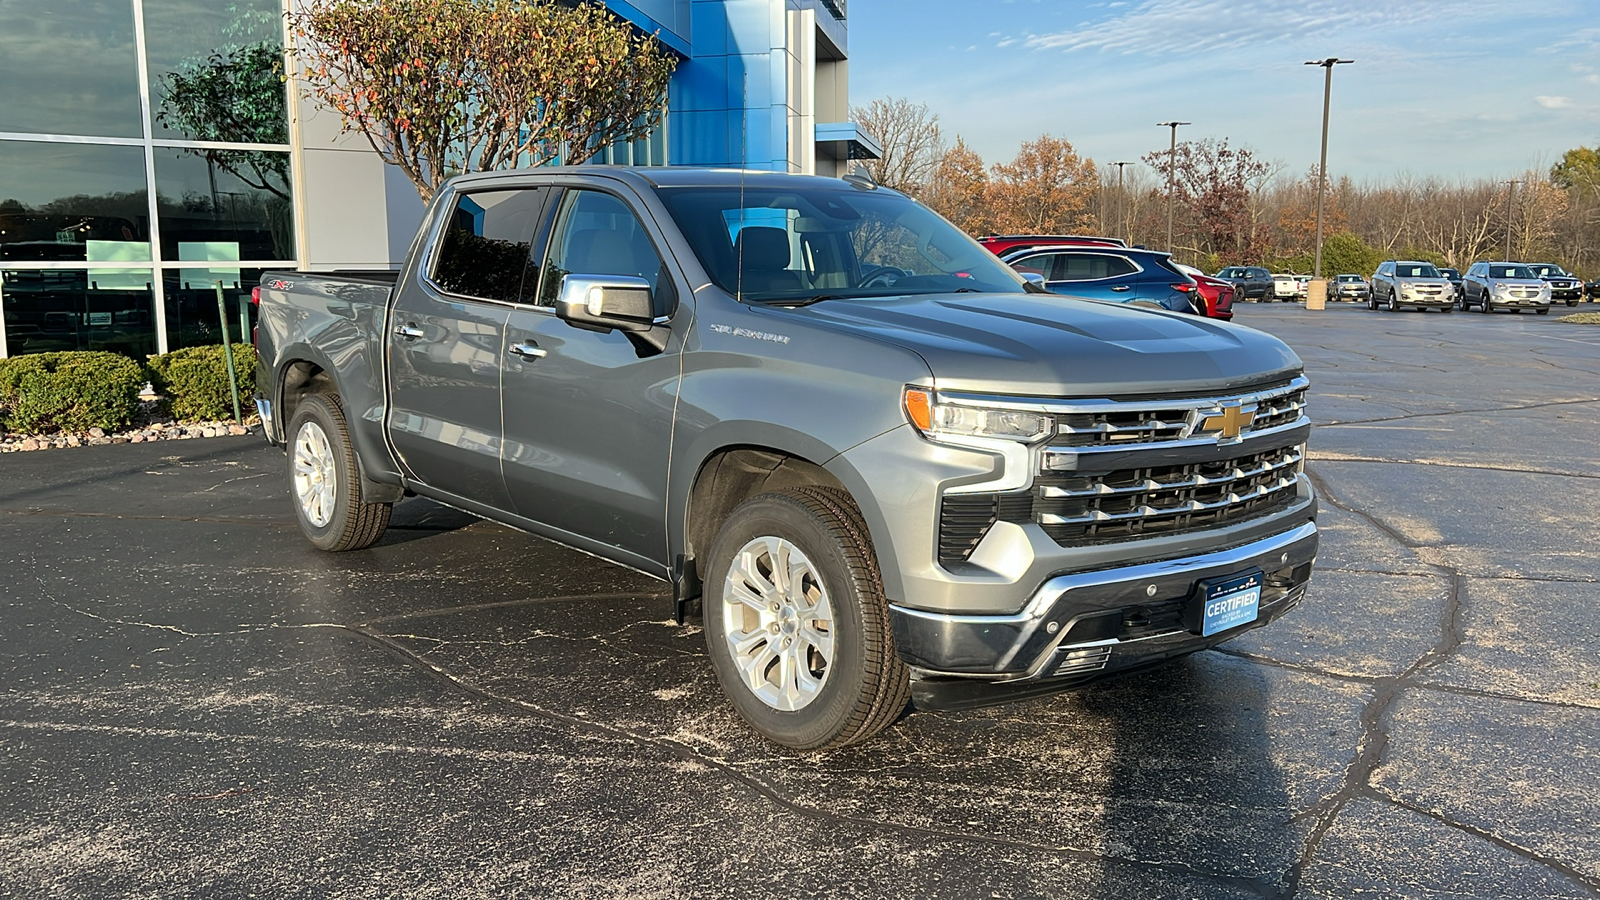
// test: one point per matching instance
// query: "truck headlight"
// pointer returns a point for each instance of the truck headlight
(936, 420)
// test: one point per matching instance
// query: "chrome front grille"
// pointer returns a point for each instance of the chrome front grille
(1165, 499)
(1130, 469)
(1108, 423)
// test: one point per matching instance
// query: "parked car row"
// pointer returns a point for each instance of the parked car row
(1486, 286)
(1098, 268)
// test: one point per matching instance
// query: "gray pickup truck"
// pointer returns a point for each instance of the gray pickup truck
(882, 466)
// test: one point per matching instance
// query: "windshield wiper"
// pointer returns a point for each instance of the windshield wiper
(793, 302)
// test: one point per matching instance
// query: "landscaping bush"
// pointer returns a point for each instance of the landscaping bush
(69, 390)
(195, 380)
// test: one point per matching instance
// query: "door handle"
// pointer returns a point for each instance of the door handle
(528, 350)
(1119, 287)
(408, 331)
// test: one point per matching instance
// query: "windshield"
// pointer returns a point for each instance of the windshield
(796, 245)
(1514, 271)
(1416, 271)
(1349, 277)
(1547, 271)
(1450, 273)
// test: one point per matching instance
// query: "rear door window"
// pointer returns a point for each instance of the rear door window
(484, 249)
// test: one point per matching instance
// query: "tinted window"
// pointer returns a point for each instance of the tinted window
(597, 234)
(1043, 264)
(80, 309)
(484, 250)
(1089, 267)
(69, 67)
(228, 204)
(215, 70)
(73, 202)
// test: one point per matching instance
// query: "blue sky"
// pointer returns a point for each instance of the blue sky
(1447, 88)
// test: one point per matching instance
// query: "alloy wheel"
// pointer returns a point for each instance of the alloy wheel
(778, 623)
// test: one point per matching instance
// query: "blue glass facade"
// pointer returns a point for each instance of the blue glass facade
(756, 80)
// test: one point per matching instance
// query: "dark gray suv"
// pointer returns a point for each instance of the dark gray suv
(1398, 283)
(1249, 282)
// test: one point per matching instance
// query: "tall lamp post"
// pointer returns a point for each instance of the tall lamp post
(1511, 190)
(1322, 167)
(1122, 200)
(1172, 174)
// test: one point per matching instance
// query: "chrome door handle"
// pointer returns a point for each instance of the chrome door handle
(409, 332)
(1120, 287)
(528, 350)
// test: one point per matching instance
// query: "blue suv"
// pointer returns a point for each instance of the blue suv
(1118, 274)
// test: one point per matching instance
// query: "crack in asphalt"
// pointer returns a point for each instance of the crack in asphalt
(1457, 412)
(1376, 720)
(1325, 457)
(1255, 886)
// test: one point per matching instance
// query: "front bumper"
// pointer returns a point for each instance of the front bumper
(1086, 626)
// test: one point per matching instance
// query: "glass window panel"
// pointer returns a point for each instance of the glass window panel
(69, 67)
(191, 305)
(72, 309)
(485, 248)
(598, 234)
(76, 202)
(224, 205)
(216, 70)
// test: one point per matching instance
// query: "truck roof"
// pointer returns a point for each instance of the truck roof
(662, 176)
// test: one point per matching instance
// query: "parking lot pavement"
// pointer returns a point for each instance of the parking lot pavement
(196, 702)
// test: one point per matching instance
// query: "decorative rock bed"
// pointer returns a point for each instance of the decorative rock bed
(149, 424)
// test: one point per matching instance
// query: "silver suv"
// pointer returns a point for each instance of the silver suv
(1504, 285)
(1399, 283)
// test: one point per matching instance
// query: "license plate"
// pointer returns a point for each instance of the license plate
(1225, 603)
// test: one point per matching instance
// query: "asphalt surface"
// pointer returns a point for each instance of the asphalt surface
(195, 702)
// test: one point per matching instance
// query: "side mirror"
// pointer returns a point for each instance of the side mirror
(612, 302)
(622, 302)
(1033, 277)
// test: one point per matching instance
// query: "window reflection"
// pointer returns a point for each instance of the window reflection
(69, 67)
(216, 70)
(191, 305)
(78, 309)
(236, 206)
(58, 200)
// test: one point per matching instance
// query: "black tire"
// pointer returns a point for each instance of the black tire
(1543, 310)
(1372, 301)
(1447, 309)
(350, 524)
(1394, 302)
(864, 686)
(1483, 304)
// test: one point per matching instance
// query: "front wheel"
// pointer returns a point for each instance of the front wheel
(1544, 310)
(1394, 302)
(323, 477)
(796, 622)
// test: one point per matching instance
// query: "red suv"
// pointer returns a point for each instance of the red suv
(1001, 244)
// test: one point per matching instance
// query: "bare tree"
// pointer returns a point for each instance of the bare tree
(912, 144)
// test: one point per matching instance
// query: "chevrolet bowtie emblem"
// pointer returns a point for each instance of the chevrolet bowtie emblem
(1230, 422)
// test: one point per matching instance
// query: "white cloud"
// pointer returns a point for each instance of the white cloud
(1200, 25)
(1549, 102)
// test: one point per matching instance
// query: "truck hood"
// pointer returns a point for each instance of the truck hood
(1050, 345)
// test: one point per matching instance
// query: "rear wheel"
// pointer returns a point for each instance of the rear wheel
(796, 622)
(325, 482)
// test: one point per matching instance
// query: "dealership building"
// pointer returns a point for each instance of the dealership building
(125, 201)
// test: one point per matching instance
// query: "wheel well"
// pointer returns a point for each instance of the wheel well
(299, 379)
(734, 475)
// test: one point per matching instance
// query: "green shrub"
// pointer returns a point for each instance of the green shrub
(195, 380)
(69, 390)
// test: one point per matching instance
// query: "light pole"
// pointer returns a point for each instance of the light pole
(1122, 200)
(1322, 167)
(1511, 190)
(1172, 174)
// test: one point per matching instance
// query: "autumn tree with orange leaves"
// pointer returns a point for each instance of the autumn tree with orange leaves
(441, 87)
(1045, 189)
